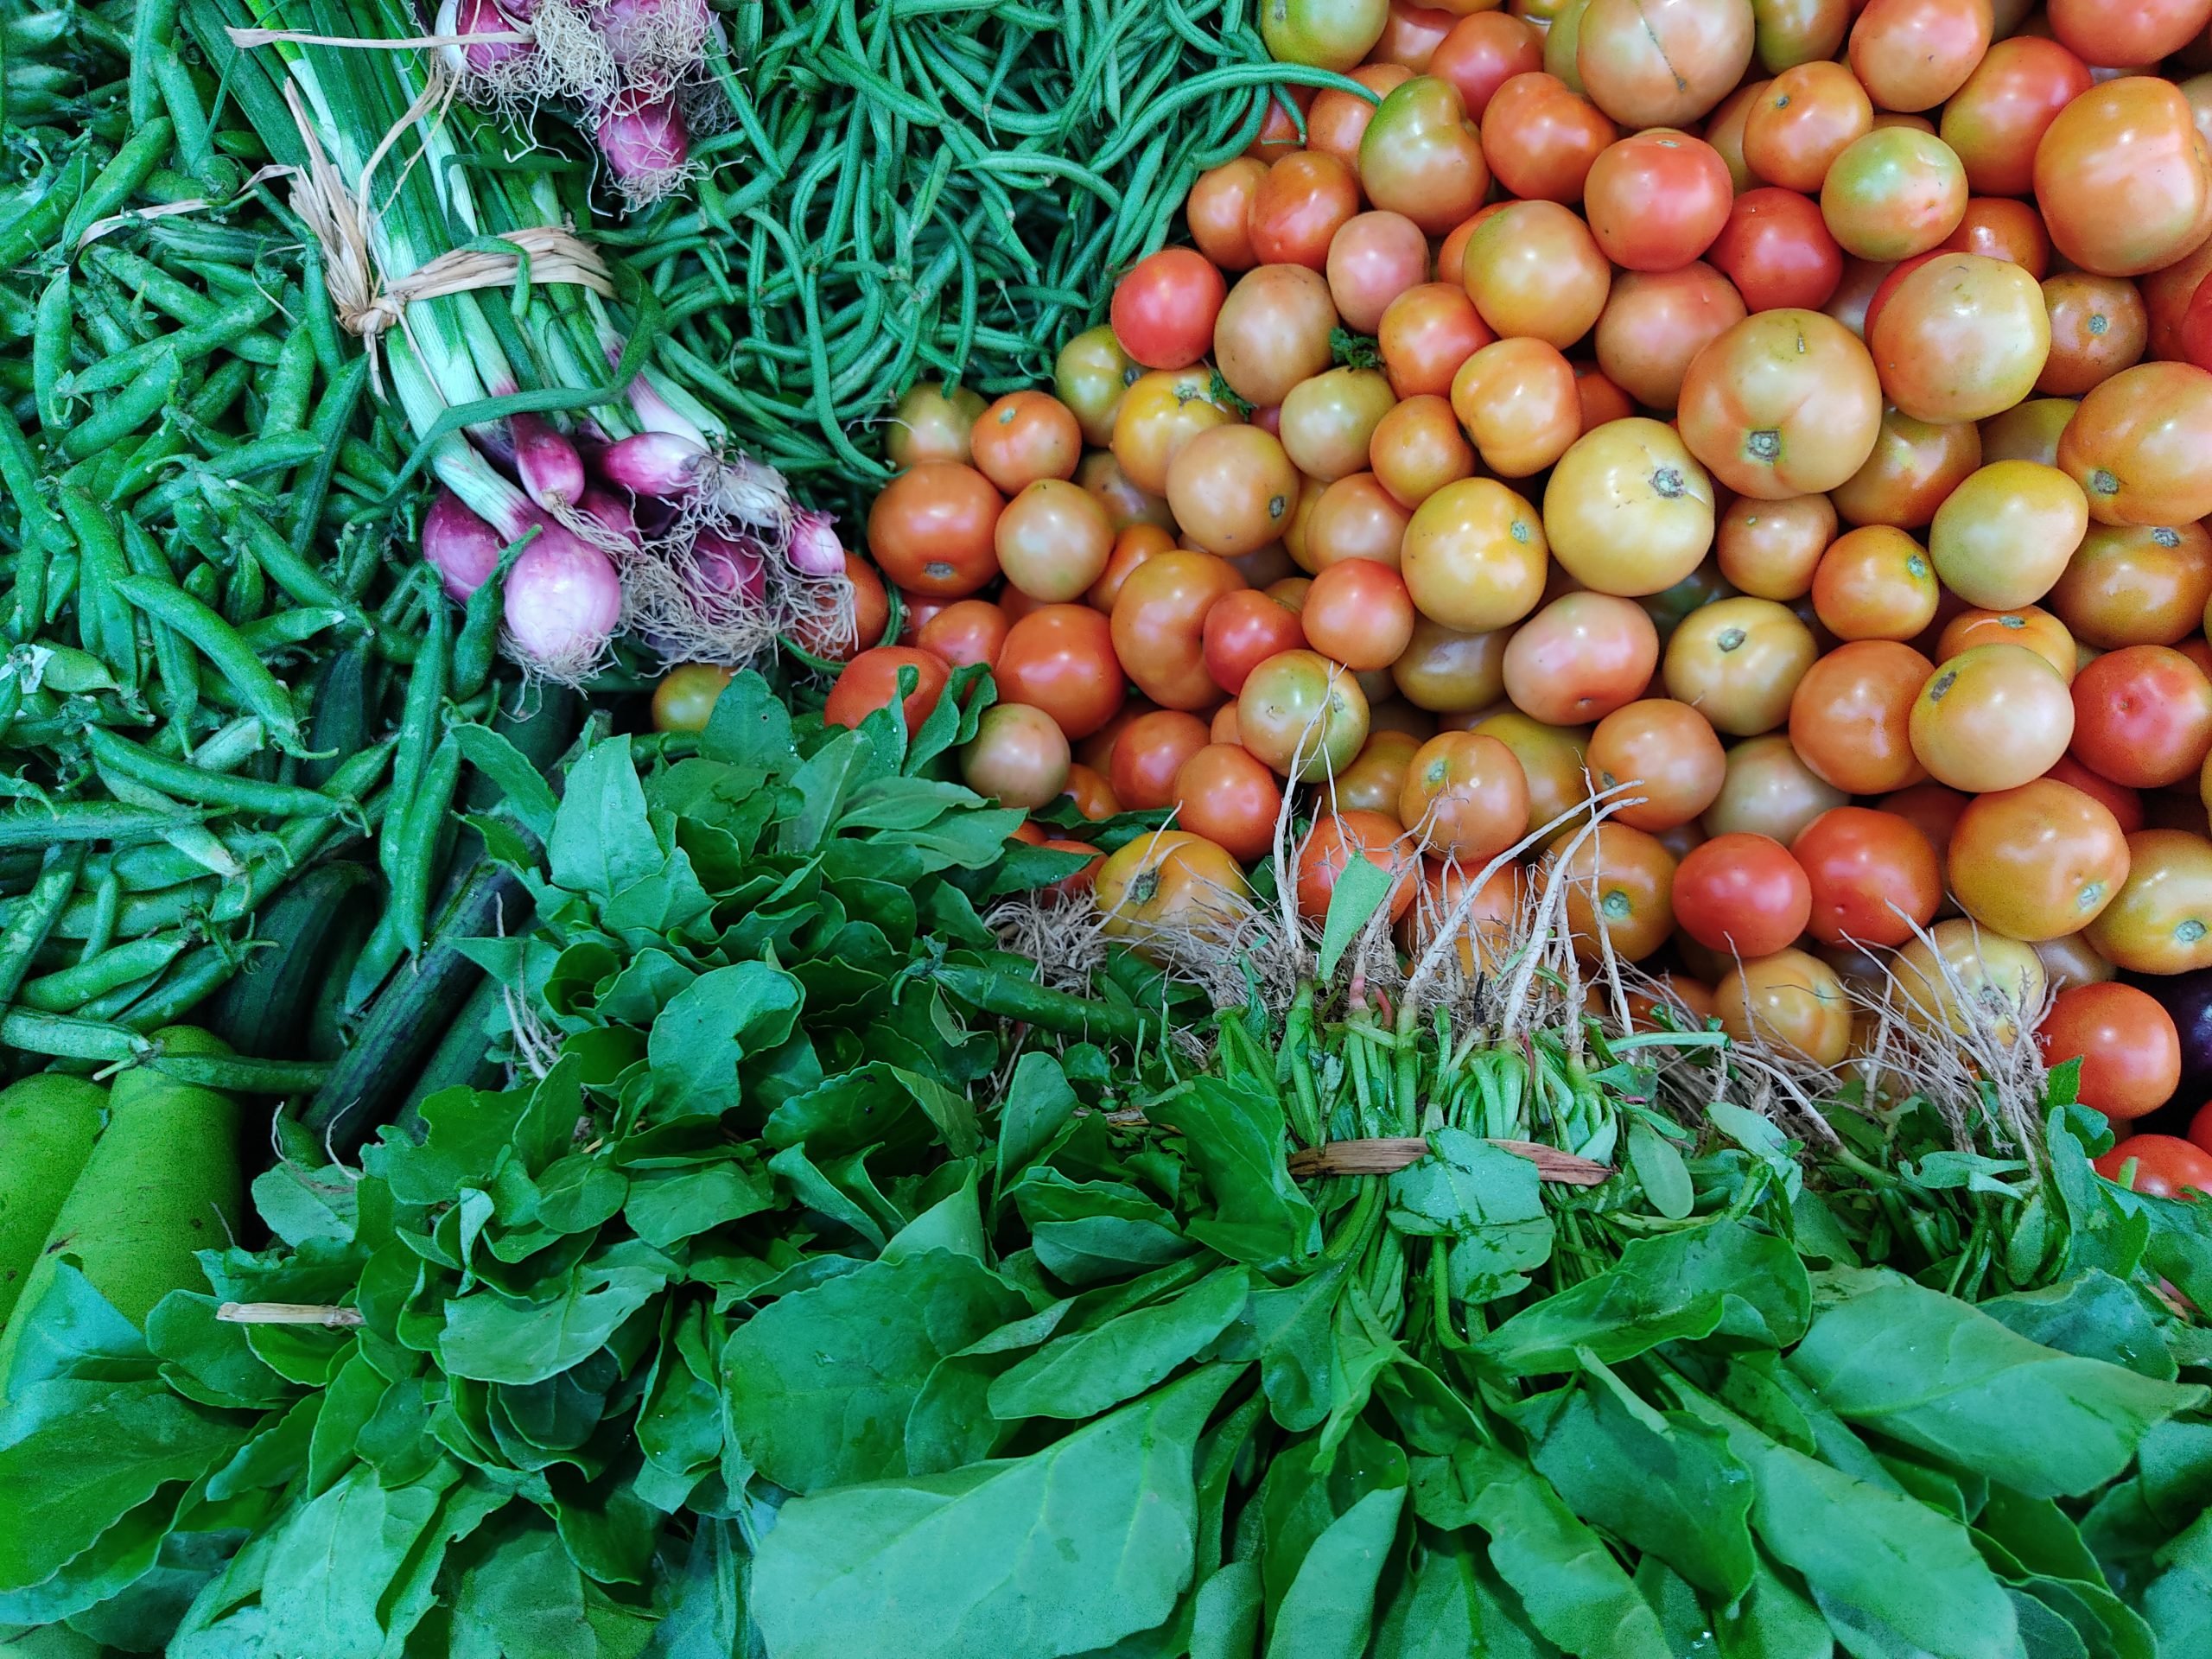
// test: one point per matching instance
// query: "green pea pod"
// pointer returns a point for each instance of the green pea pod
(218, 789)
(284, 395)
(254, 686)
(149, 282)
(418, 731)
(172, 666)
(68, 1038)
(37, 228)
(51, 335)
(426, 821)
(189, 344)
(126, 411)
(103, 619)
(30, 921)
(147, 148)
(283, 564)
(68, 990)
(477, 646)
(153, 25)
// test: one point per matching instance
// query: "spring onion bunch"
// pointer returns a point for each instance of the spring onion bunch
(524, 364)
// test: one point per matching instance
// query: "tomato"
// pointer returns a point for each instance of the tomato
(2165, 1166)
(1024, 437)
(1873, 876)
(1516, 399)
(684, 700)
(1776, 250)
(1724, 130)
(930, 529)
(2098, 327)
(1018, 756)
(1541, 137)
(1373, 258)
(1126, 501)
(1742, 894)
(2142, 716)
(1533, 268)
(1659, 63)
(1892, 194)
(1655, 323)
(1739, 663)
(1231, 489)
(1552, 760)
(1664, 757)
(1850, 715)
(2039, 861)
(1158, 625)
(871, 680)
(1995, 121)
(1656, 199)
(1358, 611)
(1802, 121)
(1149, 753)
(2002, 538)
(1785, 402)
(1060, 659)
(2000, 229)
(1053, 541)
(1992, 717)
(1483, 922)
(2161, 923)
(1482, 52)
(1914, 467)
(1335, 840)
(839, 634)
(2130, 585)
(1165, 890)
(1274, 332)
(1299, 208)
(2123, 178)
(1422, 157)
(966, 631)
(1789, 1002)
(1475, 557)
(1219, 210)
(1417, 448)
(1771, 550)
(2137, 445)
(1464, 798)
(1580, 658)
(1280, 109)
(2128, 1046)
(1160, 413)
(1912, 54)
(1960, 338)
(2122, 36)
(1961, 979)
(1618, 883)
(1229, 797)
(1376, 776)
(1355, 518)
(2168, 294)
(1092, 795)
(1875, 583)
(1446, 670)
(931, 424)
(1327, 34)
(1627, 511)
(1243, 630)
(1602, 401)
(1303, 715)
(1092, 372)
(2123, 802)
(1861, 281)
(1426, 334)
(1133, 545)
(2027, 431)
(1338, 120)
(1163, 309)
(2071, 960)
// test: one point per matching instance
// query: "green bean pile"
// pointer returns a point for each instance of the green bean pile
(920, 189)
(225, 678)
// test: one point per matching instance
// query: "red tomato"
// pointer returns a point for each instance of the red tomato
(1240, 632)
(1912, 54)
(1873, 876)
(1541, 137)
(1299, 207)
(1163, 310)
(1219, 209)
(870, 682)
(1776, 248)
(1743, 895)
(966, 631)
(2166, 1166)
(1482, 52)
(2122, 34)
(1229, 795)
(1159, 625)
(2142, 716)
(2129, 1049)
(1060, 659)
(931, 530)
(1805, 118)
(1358, 612)
(2123, 178)
(1580, 658)
(1656, 199)
(1150, 751)
(1995, 121)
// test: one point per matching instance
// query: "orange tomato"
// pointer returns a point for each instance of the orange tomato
(1518, 400)
(1792, 1001)
(1619, 888)
(1475, 556)
(1771, 549)
(1785, 402)
(1739, 663)
(1359, 613)
(1850, 716)
(1875, 583)
(1666, 756)
(2161, 923)
(1464, 798)
(1158, 625)
(1335, 840)
(1579, 658)
(1166, 891)
(2137, 445)
(1025, 437)
(2036, 862)
(1992, 717)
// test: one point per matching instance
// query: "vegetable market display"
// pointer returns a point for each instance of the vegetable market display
(1476, 922)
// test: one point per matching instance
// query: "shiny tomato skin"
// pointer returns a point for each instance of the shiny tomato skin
(2036, 862)
(1422, 157)
(1785, 402)
(2166, 1166)
(2129, 1048)
(2142, 716)
(1158, 625)
(1802, 121)
(2123, 178)
(1873, 876)
(1580, 658)
(870, 682)
(1777, 251)
(1541, 137)
(1656, 199)
(1992, 717)
(930, 529)
(1655, 324)
(1850, 716)
(1303, 715)
(2137, 445)
(2161, 923)
(1914, 467)
(1243, 630)
(1483, 51)
(1661, 758)
(1060, 659)
(1892, 194)
(1619, 883)
(1912, 54)
(1742, 894)
(1163, 310)
(1961, 338)
(1790, 1001)
(1161, 892)
(1147, 754)
(1653, 63)
(1230, 797)
(684, 700)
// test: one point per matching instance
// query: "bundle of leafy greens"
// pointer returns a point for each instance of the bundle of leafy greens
(795, 1302)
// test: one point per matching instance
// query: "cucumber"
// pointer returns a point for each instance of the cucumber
(47, 1126)
(265, 1010)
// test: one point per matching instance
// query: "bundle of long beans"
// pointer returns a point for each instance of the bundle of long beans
(932, 191)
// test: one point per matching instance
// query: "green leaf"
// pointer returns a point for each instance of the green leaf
(1659, 1167)
(300, 1204)
(1089, 1372)
(1722, 1278)
(520, 780)
(1574, 1591)
(1488, 1202)
(1773, 1620)
(2178, 1602)
(1362, 886)
(1072, 1547)
(1087, 1231)
(750, 728)
(497, 1338)
(713, 1023)
(1038, 1102)
(1661, 1481)
(666, 1206)
(818, 1384)
(1294, 1329)
(1233, 1132)
(523, 1600)
(2094, 1315)
(601, 842)
(1931, 1371)
(1330, 1609)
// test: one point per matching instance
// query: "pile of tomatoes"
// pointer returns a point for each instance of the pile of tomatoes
(1789, 423)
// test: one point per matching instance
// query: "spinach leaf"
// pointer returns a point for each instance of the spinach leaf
(499, 1338)
(1330, 1608)
(1088, 1372)
(1234, 1134)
